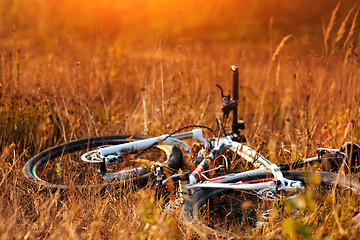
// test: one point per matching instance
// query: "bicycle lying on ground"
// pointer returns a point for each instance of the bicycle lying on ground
(219, 196)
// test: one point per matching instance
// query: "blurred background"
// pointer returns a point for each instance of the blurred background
(133, 66)
(143, 21)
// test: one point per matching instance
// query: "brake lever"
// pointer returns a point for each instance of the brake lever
(222, 92)
(226, 99)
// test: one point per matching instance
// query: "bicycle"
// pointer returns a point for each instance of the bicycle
(216, 197)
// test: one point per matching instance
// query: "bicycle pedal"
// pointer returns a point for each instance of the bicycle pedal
(112, 159)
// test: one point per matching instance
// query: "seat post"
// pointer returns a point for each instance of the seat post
(235, 125)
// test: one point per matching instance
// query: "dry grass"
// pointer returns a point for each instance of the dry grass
(292, 101)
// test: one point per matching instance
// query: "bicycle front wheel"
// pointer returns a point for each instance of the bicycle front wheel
(226, 212)
(61, 167)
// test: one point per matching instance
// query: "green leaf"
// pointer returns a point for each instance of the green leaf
(59, 169)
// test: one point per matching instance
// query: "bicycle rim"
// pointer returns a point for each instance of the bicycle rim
(225, 213)
(61, 166)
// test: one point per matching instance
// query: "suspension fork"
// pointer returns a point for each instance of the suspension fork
(258, 160)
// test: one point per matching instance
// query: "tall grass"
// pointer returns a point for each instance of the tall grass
(294, 100)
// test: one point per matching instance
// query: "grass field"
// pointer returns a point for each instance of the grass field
(73, 69)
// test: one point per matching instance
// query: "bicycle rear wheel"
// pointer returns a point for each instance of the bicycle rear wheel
(61, 167)
(226, 213)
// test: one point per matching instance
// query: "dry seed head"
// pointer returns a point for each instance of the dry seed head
(342, 29)
(330, 26)
(351, 32)
(276, 53)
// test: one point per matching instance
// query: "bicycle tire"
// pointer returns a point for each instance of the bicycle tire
(56, 167)
(204, 212)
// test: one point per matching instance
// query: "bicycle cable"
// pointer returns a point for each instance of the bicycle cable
(190, 126)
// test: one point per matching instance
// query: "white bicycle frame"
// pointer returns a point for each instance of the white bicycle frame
(244, 151)
(164, 139)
